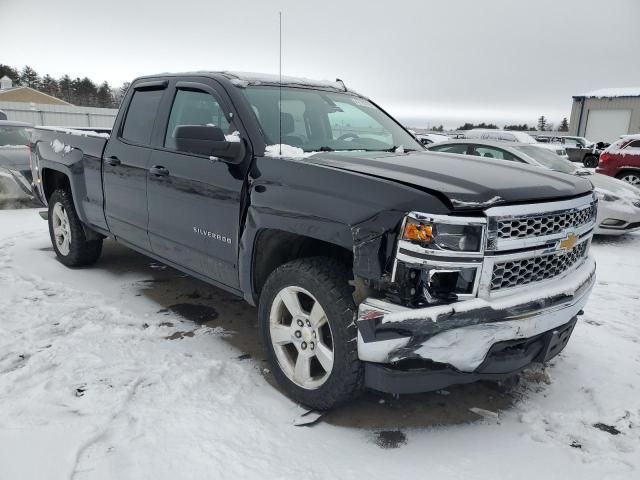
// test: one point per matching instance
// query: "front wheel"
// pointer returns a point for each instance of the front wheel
(307, 318)
(67, 233)
(591, 161)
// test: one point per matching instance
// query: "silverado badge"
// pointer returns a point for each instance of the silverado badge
(569, 242)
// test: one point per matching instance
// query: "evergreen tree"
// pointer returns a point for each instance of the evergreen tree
(65, 88)
(122, 91)
(105, 96)
(29, 77)
(564, 125)
(542, 123)
(10, 72)
(49, 85)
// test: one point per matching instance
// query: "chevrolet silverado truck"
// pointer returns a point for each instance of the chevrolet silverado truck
(373, 263)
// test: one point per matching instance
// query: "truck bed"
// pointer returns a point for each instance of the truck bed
(78, 155)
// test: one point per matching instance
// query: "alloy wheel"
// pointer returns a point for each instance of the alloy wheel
(301, 337)
(61, 229)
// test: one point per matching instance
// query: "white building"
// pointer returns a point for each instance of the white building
(604, 115)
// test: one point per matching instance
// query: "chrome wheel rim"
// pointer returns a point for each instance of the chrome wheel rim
(301, 337)
(61, 229)
(632, 179)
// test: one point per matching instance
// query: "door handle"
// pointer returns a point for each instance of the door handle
(159, 171)
(113, 160)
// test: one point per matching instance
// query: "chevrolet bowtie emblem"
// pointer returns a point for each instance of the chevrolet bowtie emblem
(569, 242)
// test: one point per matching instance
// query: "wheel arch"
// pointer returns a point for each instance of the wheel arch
(273, 247)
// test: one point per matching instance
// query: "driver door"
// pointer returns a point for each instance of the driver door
(194, 200)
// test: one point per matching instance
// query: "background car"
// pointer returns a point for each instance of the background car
(430, 138)
(579, 149)
(619, 207)
(622, 160)
(512, 136)
(14, 153)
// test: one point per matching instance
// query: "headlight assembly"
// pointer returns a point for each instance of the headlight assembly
(443, 235)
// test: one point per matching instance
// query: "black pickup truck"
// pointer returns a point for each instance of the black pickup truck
(373, 262)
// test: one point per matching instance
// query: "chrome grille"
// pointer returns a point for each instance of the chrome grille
(524, 271)
(548, 224)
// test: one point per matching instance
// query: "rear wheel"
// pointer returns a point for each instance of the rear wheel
(307, 318)
(591, 161)
(632, 178)
(67, 233)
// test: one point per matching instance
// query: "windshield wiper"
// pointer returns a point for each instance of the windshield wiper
(325, 149)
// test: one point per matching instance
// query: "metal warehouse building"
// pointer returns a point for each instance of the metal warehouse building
(604, 115)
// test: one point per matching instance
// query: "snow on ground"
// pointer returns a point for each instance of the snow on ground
(98, 380)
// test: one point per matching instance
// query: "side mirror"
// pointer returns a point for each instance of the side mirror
(208, 140)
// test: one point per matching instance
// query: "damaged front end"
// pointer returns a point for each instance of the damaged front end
(473, 298)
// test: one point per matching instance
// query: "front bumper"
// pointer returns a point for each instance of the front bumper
(461, 335)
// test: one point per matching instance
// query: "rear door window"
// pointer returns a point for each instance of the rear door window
(490, 152)
(141, 115)
(635, 145)
(460, 148)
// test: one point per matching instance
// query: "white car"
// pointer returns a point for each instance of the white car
(619, 205)
(512, 136)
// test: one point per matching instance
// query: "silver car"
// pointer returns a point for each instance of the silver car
(619, 206)
(14, 156)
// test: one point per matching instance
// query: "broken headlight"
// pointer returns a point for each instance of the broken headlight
(440, 235)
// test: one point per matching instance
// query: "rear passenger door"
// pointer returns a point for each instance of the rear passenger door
(194, 203)
(126, 162)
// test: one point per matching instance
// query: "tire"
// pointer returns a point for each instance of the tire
(631, 177)
(67, 233)
(591, 161)
(324, 281)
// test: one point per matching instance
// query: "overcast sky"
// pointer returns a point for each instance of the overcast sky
(427, 62)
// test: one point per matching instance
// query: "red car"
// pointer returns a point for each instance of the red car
(622, 160)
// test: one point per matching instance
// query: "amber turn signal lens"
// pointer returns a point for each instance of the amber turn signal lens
(418, 232)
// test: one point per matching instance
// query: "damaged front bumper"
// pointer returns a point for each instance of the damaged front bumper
(413, 350)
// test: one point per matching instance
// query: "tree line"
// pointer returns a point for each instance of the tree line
(543, 125)
(82, 92)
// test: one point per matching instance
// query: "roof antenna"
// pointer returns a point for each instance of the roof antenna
(280, 82)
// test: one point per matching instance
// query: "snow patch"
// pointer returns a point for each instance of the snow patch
(71, 131)
(60, 147)
(286, 151)
(613, 92)
(233, 137)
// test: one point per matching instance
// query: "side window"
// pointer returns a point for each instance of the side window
(194, 108)
(634, 145)
(460, 148)
(491, 152)
(141, 114)
(571, 142)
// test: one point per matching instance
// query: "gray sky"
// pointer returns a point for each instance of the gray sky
(426, 62)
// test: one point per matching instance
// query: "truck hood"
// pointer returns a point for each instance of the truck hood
(466, 182)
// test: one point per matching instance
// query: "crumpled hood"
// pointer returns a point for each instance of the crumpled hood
(14, 157)
(467, 182)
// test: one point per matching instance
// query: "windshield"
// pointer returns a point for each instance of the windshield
(315, 120)
(14, 136)
(547, 158)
